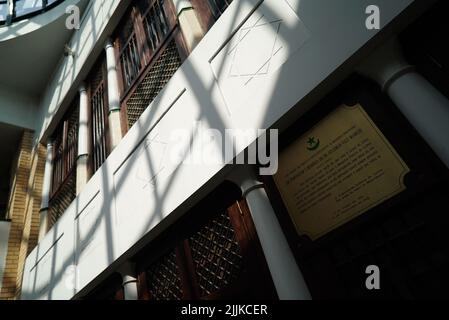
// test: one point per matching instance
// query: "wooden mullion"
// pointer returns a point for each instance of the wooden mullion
(187, 271)
(53, 158)
(139, 31)
(108, 144)
(150, 5)
(118, 62)
(56, 192)
(143, 292)
(170, 11)
(64, 149)
(152, 56)
(136, 82)
(204, 14)
(181, 44)
(90, 144)
(160, 34)
(177, 34)
(241, 233)
(124, 119)
(119, 294)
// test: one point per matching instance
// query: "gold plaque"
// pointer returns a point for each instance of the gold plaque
(338, 170)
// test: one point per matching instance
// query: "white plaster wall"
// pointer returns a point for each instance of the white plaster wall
(96, 25)
(4, 237)
(223, 84)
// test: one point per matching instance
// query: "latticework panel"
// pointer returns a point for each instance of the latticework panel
(66, 147)
(99, 127)
(216, 255)
(98, 103)
(155, 80)
(63, 198)
(163, 278)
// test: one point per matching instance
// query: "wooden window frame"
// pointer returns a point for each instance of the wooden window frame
(177, 237)
(66, 169)
(205, 13)
(100, 63)
(147, 57)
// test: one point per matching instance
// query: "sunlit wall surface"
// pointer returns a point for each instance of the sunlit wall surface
(15, 10)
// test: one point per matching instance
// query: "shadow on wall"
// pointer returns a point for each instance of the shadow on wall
(203, 91)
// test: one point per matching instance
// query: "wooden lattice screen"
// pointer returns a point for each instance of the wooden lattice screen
(154, 81)
(215, 256)
(98, 96)
(63, 190)
(150, 49)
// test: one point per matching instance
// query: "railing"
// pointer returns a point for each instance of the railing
(16, 10)
(66, 146)
(130, 61)
(141, 45)
(99, 127)
(97, 86)
(156, 24)
(150, 49)
(63, 189)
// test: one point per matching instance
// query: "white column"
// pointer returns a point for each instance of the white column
(129, 277)
(115, 129)
(82, 174)
(46, 189)
(188, 22)
(287, 277)
(421, 103)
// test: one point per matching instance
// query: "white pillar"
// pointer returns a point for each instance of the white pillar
(46, 189)
(115, 129)
(129, 278)
(188, 22)
(287, 277)
(423, 105)
(82, 173)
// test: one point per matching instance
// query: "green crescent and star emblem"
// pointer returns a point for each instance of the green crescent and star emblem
(313, 144)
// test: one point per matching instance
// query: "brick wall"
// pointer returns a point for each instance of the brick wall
(24, 207)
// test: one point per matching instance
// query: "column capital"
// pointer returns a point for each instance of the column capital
(108, 43)
(245, 177)
(82, 87)
(385, 64)
(50, 143)
(127, 269)
(181, 5)
(129, 280)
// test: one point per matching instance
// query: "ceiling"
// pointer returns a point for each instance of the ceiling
(28, 61)
(11, 135)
